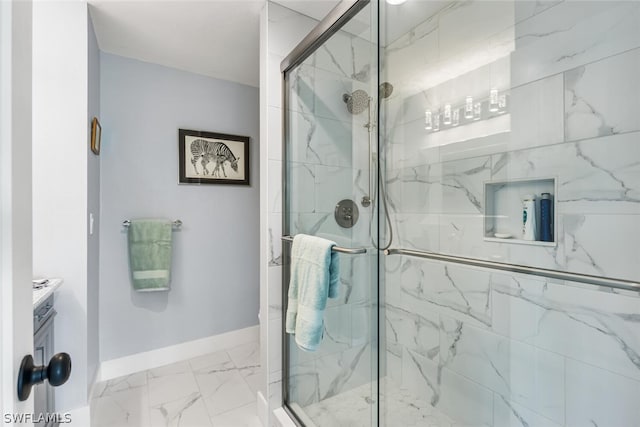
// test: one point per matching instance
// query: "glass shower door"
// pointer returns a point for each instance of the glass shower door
(513, 177)
(330, 137)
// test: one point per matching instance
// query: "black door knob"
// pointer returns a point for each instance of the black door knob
(57, 372)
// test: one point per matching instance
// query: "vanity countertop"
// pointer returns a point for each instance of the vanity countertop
(40, 295)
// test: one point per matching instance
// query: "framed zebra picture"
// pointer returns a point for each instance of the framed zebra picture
(213, 158)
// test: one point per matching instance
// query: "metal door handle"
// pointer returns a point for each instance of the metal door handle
(57, 372)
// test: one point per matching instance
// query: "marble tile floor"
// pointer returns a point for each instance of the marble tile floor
(217, 390)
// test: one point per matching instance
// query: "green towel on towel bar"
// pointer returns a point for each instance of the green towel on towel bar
(150, 254)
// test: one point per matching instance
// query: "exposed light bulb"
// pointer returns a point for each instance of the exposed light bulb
(428, 122)
(493, 100)
(396, 2)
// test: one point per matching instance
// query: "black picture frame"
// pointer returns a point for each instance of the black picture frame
(213, 158)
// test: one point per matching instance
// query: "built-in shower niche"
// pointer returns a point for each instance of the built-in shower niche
(503, 209)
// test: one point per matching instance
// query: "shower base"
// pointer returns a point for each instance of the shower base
(353, 408)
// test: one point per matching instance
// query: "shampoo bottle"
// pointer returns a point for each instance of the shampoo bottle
(529, 229)
(546, 223)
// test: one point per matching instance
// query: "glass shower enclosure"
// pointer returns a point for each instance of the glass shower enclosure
(479, 163)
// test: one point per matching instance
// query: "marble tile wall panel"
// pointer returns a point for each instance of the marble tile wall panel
(274, 94)
(417, 231)
(275, 133)
(516, 371)
(461, 234)
(527, 9)
(462, 293)
(329, 89)
(600, 175)
(420, 377)
(275, 345)
(464, 401)
(594, 327)
(323, 225)
(332, 184)
(275, 241)
(572, 34)
(302, 188)
(301, 87)
(345, 371)
(467, 26)
(275, 292)
(348, 55)
(598, 397)
(418, 332)
(537, 113)
(602, 98)
(460, 399)
(507, 413)
(320, 141)
(275, 186)
(304, 380)
(364, 323)
(354, 281)
(588, 240)
(418, 49)
(462, 182)
(416, 190)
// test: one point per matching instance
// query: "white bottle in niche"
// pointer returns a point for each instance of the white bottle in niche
(529, 229)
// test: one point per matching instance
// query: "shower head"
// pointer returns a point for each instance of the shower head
(386, 89)
(358, 100)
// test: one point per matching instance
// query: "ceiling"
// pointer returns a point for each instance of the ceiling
(216, 38)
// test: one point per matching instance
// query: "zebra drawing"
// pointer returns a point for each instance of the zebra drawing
(209, 151)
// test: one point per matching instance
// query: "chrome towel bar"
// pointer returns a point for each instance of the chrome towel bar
(335, 248)
(514, 268)
(176, 223)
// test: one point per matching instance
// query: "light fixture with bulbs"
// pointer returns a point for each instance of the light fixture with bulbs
(467, 111)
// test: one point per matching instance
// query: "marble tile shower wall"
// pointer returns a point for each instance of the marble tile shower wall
(501, 349)
(328, 161)
(326, 167)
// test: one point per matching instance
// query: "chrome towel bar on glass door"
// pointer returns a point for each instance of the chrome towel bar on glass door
(514, 268)
(335, 248)
(176, 223)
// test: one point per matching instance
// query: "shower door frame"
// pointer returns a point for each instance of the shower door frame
(330, 24)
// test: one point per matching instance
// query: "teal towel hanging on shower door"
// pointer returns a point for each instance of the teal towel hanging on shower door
(314, 278)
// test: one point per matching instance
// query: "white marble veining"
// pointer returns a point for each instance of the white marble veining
(572, 34)
(469, 346)
(600, 398)
(596, 327)
(595, 109)
(40, 295)
(463, 293)
(210, 390)
(518, 372)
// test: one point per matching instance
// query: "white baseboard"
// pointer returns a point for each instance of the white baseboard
(175, 353)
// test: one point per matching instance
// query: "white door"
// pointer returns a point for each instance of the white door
(16, 309)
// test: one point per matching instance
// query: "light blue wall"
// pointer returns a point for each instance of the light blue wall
(93, 201)
(215, 285)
